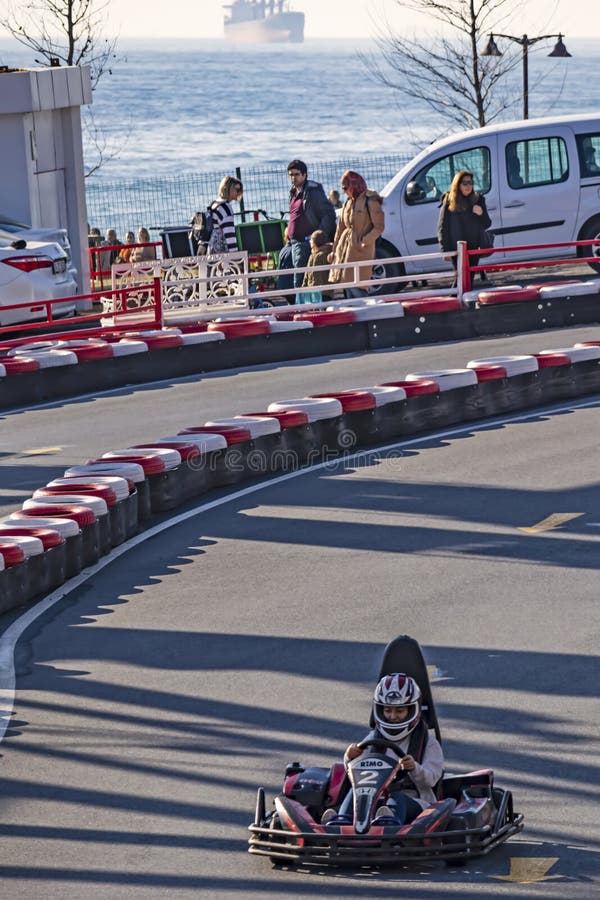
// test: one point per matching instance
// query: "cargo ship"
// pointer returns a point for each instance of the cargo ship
(268, 21)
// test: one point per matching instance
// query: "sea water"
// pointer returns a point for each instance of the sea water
(174, 116)
(186, 105)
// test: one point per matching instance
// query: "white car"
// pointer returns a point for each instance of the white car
(11, 229)
(31, 271)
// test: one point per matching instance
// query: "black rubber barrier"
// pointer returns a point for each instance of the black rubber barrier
(427, 328)
(332, 435)
(524, 390)
(54, 561)
(14, 586)
(117, 514)
(194, 359)
(143, 500)
(493, 397)
(90, 543)
(39, 578)
(131, 514)
(195, 475)
(586, 377)
(75, 554)
(167, 488)
(265, 456)
(388, 419)
(229, 466)
(295, 445)
(299, 443)
(313, 443)
(104, 534)
(557, 383)
(34, 577)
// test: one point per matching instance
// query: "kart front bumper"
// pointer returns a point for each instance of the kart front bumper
(355, 850)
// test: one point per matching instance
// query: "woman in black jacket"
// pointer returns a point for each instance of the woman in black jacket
(463, 217)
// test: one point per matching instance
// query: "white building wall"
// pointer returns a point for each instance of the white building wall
(41, 177)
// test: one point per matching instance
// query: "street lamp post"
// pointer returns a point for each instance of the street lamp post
(559, 51)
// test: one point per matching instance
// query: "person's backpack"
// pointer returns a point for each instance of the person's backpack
(202, 224)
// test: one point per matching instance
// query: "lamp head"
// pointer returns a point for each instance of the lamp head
(491, 48)
(560, 50)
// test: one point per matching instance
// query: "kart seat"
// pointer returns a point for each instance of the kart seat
(403, 654)
(478, 784)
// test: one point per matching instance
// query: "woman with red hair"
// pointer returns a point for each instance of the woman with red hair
(361, 222)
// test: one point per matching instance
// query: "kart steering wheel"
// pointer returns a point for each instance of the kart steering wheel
(382, 744)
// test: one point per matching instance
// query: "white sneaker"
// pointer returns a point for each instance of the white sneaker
(385, 811)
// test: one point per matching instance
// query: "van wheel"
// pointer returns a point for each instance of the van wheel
(383, 269)
(591, 230)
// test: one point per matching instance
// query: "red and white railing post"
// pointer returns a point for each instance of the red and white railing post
(158, 304)
(463, 269)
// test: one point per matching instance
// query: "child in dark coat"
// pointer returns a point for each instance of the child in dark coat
(320, 248)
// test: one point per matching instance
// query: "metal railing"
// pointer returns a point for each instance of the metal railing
(146, 295)
(99, 273)
(202, 287)
(148, 310)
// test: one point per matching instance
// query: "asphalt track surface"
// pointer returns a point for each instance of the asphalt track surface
(155, 696)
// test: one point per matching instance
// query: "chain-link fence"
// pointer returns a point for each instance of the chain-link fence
(158, 202)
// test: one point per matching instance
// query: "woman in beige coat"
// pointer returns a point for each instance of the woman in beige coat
(361, 222)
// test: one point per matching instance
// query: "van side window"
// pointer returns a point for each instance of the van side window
(588, 148)
(536, 162)
(429, 184)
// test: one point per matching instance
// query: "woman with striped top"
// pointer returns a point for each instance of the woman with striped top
(223, 239)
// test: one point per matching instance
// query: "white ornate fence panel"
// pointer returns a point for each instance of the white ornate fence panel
(199, 283)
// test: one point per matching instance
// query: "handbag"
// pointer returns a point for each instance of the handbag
(486, 241)
(217, 243)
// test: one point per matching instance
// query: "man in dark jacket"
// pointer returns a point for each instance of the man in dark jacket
(310, 210)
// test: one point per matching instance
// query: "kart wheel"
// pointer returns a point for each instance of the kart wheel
(275, 825)
(460, 860)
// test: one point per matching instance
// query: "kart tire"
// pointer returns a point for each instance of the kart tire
(461, 860)
(277, 861)
(275, 825)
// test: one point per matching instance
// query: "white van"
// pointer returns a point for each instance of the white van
(540, 177)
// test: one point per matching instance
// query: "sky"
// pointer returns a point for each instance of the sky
(335, 18)
(339, 18)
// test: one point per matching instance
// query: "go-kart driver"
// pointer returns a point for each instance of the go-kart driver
(397, 715)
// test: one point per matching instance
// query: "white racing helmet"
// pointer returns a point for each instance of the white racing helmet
(397, 690)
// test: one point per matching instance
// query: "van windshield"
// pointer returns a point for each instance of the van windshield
(431, 182)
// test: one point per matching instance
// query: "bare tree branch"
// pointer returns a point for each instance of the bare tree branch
(67, 30)
(447, 71)
(101, 146)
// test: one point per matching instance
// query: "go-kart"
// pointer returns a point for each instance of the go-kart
(470, 817)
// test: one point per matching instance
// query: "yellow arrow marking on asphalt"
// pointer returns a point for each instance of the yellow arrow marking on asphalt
(39, 451)
(551, 522)
(524, 870)
(436, 674)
